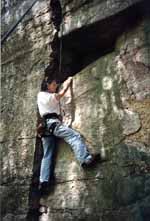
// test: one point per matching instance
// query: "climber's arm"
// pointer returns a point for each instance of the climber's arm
(61, 93)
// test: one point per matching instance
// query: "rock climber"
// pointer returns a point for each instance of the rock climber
(48, 101)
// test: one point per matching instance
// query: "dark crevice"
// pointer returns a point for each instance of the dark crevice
(56, 13)
(83, 46)
(56, 17)
(51, 70)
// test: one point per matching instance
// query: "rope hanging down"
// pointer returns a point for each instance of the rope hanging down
(8, 33)
(60, 49)
(60, 62)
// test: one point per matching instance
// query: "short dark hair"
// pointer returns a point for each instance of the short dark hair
(45, 82)
(50, 80)
(49, 70)
(44, 86)
(50, 76)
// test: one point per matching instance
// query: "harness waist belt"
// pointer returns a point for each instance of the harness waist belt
(51, 116)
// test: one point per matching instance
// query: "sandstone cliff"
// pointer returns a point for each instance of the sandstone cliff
(105, 46)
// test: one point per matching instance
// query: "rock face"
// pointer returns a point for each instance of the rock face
(24, 57)
(108, 104)
(75, 17)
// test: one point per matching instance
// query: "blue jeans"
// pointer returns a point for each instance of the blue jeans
(71, 137)
(49, 145)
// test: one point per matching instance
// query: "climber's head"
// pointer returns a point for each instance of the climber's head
(50, 82)
(52, 86)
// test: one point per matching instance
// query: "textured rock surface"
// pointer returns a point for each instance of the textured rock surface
(75, 17)
(116, 189)
(108, 103)
(24, 57)
(12, 11)
(99, 108)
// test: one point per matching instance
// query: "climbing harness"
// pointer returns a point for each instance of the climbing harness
(43, 130)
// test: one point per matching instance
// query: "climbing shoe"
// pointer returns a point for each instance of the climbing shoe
(93, 161)
(47, 187)
(44, 188)
(33, 213)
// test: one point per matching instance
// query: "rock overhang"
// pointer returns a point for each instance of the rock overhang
(75, 17)
(95, 38)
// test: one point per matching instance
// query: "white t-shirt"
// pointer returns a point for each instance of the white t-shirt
(47, 103)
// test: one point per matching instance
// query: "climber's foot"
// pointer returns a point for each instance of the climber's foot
(33, 213)
(47, 187)
(93, 161)
(44, 188)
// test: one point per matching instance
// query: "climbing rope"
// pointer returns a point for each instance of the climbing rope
(9, 32)
(60, 49)
(60, 63)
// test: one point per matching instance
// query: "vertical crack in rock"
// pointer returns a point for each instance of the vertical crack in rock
(56, 17)
(52, 69)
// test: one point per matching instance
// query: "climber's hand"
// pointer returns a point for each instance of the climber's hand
(69, 80)
(66, 85)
